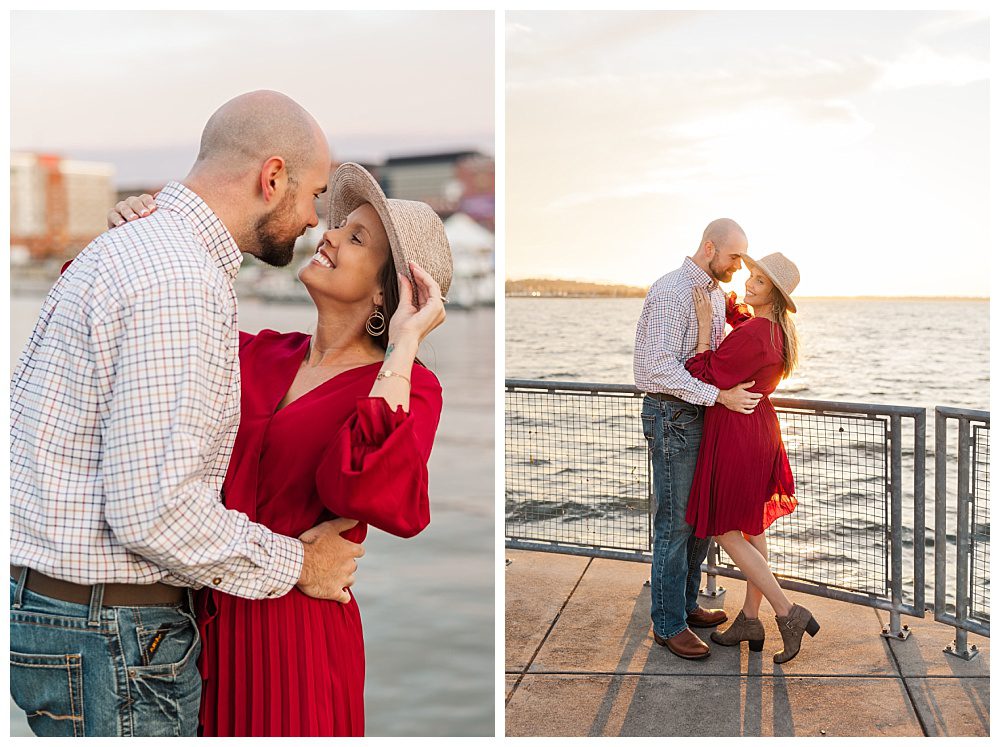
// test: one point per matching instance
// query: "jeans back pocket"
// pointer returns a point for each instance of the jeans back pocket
(49, 689)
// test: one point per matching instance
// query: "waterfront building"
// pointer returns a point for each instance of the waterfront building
(449, 182)
(472, 250)
(57, 205)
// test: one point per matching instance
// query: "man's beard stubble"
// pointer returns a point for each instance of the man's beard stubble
(271, 232)
(721, 275)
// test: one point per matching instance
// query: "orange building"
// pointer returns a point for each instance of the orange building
(57, 205)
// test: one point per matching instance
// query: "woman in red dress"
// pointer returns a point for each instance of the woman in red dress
(742, 480)
(337, 424)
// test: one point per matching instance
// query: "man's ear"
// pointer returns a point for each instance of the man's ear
(709, 247)
(273, 178)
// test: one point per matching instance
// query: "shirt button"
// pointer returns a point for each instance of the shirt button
(216, 580)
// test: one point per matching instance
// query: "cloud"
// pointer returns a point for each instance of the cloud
(942, 25)
(554, 42)
(925, 66)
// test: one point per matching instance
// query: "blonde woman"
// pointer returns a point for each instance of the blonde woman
(743, 481)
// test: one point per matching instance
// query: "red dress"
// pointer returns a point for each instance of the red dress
(742, 479)
(295, 666)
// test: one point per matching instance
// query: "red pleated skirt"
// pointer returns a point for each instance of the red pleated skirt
(292, 666)
(742, 480)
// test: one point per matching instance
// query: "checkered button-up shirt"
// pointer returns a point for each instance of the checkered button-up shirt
(667, 334)
(124, 409)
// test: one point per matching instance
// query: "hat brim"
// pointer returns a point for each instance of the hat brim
(351, 187)
(752, 264)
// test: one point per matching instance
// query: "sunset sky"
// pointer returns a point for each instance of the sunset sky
(137, 87)
(854, 142)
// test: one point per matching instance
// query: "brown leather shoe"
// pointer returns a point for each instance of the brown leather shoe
(685, 645)
(700, 617)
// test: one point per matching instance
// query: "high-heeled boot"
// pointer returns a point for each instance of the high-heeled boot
(798, 621)
(742, 629)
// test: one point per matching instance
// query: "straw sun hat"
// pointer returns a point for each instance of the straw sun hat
(415, 231)
(781, 271)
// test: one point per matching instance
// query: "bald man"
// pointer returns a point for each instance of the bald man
(124, 409)
(672, 414)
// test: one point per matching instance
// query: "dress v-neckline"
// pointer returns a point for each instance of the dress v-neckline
(301, 357)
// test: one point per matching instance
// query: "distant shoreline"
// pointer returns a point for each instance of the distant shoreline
(552, 288)
(598, 296)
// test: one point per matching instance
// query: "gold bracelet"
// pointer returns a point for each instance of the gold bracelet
(385, 373)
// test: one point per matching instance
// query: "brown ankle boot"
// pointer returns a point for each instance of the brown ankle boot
(798, 621)
(742, 629)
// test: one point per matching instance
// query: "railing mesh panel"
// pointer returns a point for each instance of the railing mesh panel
(576, 470)
(838, 534)
(979, 578)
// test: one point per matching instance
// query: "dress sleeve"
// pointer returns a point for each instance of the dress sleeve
(736, 313)
(738, 358)
(245, 339)
(375, 470)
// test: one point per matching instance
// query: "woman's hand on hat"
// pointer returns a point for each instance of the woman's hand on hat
(421, 306)
(131, 208)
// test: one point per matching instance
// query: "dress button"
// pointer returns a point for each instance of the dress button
(216, 580)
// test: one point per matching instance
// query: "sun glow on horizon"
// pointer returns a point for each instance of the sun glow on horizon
(855, 143)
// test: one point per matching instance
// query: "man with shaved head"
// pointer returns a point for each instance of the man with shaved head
(672, 413)
(124, 409)
(238, 166)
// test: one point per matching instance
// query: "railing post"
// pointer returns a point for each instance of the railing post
(940, 513)
(960, 647)
(712, 590)
(919, 509)
(895, 629)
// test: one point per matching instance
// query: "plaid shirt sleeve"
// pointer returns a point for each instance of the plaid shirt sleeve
(659, 366)
(161, 357)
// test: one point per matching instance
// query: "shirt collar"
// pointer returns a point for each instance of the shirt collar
(220, 244)
(698, 275)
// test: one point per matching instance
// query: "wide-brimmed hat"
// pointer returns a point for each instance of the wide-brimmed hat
(416, 233)
(780, 270)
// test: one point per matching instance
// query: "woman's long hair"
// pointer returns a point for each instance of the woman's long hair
(790, 350)
(389, 284)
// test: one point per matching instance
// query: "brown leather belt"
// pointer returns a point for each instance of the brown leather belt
(115, 595)
(665, 397)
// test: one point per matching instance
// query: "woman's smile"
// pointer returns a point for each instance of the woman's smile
(323, 260)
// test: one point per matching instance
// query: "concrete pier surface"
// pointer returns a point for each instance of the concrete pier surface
(581, 661)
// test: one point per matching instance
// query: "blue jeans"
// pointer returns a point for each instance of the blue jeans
(79, 670)
(673, 433)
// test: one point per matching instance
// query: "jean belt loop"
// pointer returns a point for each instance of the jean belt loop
(22, 578)
(190, 600)
(96, 602)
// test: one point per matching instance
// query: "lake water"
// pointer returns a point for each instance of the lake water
(892, 352)
(912, 353)
(427, 603)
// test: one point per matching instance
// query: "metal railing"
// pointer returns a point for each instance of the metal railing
(578, 481)
(577, 469)
(972, 526)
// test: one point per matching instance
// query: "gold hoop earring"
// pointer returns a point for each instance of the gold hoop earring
(375, 325)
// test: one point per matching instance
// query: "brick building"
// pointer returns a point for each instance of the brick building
(57, 205)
